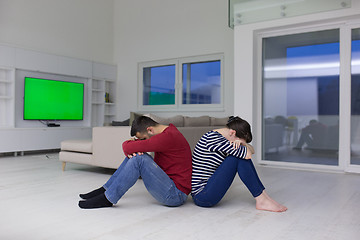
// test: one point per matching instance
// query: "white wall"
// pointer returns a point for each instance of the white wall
(164, 29)
(74, 28)
(123, 32)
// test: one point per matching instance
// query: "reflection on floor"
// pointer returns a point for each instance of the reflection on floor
(323, 157)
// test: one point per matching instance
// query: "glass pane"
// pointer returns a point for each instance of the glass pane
(301, 98)
(159, 85)
(355, 97)
(201, 83)
(249, 11)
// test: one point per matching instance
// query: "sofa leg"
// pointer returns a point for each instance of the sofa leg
(63, 166)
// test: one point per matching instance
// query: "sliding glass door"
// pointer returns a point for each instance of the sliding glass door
(355, 97)
(300, 98)
(310, 95)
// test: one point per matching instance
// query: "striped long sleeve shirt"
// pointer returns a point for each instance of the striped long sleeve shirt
(209, 153)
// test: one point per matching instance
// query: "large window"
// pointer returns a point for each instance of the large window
(184, 83)
(201, 82)
(159, 85)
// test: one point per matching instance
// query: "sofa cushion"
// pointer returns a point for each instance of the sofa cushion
(218, 121)
(76, 157)
(82, 145)
(178, 120)
(196, 121)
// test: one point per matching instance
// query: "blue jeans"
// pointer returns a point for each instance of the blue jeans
(157, 182)
(220, 181)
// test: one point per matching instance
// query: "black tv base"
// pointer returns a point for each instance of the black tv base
(53, 125)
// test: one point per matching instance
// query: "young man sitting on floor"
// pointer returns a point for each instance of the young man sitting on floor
(167, 176)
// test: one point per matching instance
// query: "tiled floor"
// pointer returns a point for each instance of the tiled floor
(39, 201)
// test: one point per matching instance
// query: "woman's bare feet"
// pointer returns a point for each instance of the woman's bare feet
(266, 203)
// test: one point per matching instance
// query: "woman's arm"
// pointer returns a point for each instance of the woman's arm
(250, 149)
(224, 146)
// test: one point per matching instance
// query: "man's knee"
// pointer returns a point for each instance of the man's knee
(139, 160)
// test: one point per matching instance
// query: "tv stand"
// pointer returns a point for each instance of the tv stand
(53, 125)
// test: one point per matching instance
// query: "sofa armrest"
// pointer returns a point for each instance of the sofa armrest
(107, 145)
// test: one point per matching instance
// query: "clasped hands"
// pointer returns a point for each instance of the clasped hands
(134, 154)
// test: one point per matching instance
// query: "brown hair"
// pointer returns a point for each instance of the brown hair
(140, 125)
(241, 126)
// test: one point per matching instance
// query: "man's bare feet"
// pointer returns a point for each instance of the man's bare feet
(264, 202)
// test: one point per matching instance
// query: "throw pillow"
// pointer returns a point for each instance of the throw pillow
(133, 116)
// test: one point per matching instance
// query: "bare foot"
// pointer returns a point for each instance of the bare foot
(264, 202)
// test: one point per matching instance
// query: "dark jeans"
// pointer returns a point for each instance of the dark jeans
(220, 181)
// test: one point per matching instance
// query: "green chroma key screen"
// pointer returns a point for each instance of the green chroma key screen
(46, 99)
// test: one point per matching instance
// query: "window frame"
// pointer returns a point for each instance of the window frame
(179, 106)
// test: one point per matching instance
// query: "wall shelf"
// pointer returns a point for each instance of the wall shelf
(103, 94)
(7, 97)
(103, 112)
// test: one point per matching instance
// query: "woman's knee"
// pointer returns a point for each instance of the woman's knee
(204, 200)
(206, 204)
(231, 159)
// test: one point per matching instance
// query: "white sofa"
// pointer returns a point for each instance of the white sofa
(103, 150)
(105, 147)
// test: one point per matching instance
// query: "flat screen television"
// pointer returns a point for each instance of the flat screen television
(46, 99)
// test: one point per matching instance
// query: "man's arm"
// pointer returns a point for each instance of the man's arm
(154, 144)
(132, 154)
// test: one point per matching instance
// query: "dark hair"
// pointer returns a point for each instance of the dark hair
(140, 125)
(242, 128)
